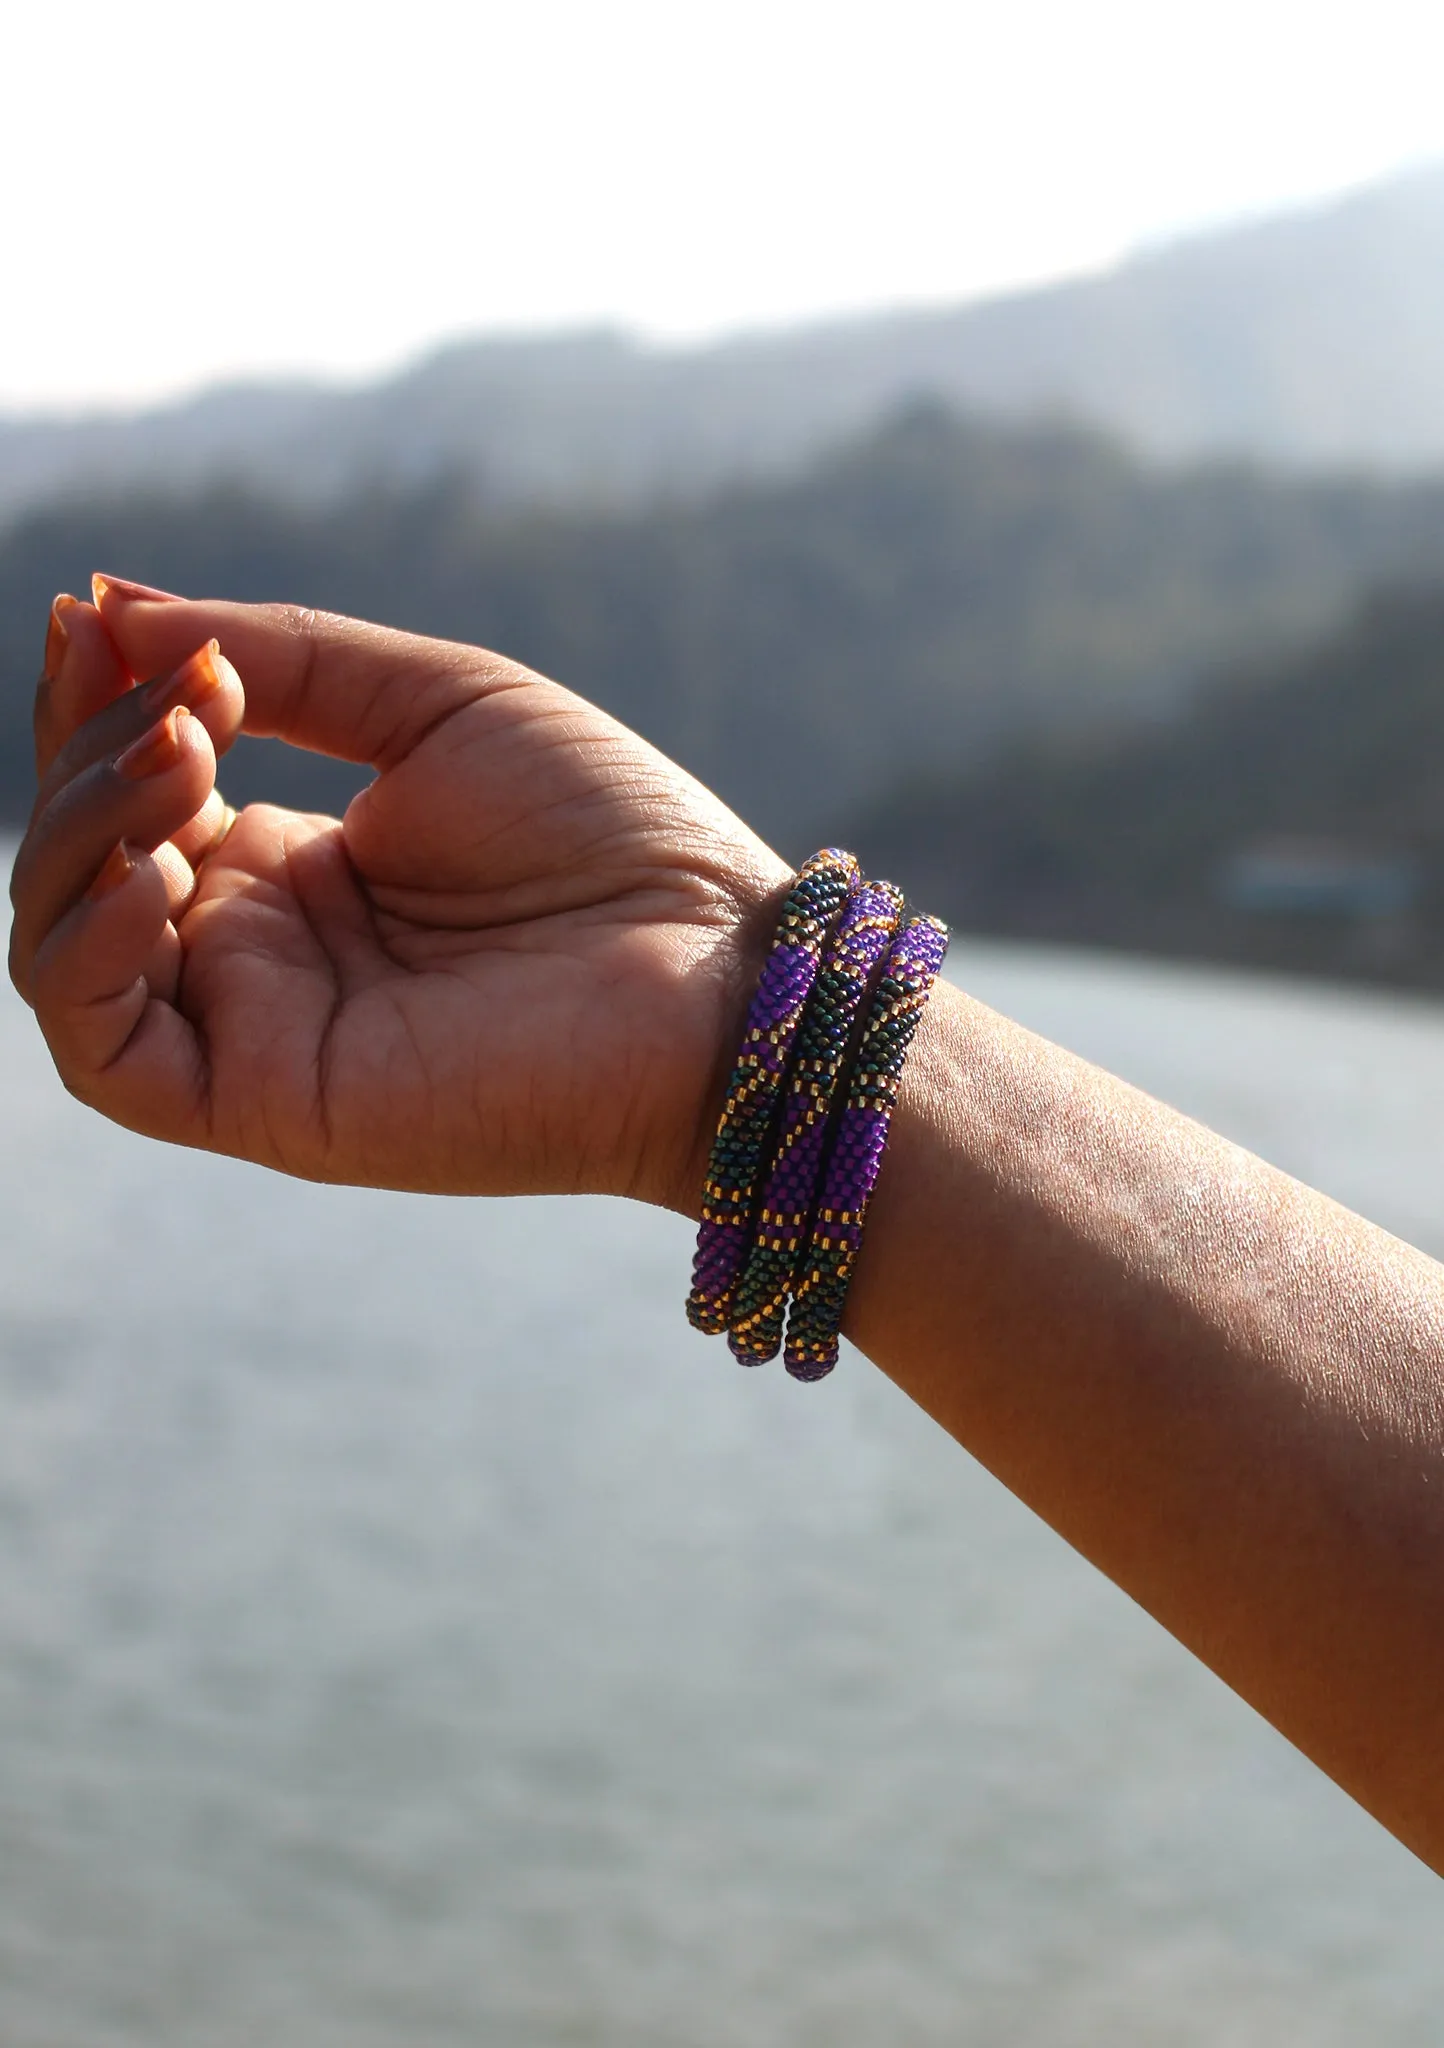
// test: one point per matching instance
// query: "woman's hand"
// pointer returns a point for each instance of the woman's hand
(518, 964)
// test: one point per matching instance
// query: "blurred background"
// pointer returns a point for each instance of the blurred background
(1040, 411)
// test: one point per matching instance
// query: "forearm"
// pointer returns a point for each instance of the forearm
(1219, 1386)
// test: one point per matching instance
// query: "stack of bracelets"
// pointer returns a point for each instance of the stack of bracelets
(806, 1115)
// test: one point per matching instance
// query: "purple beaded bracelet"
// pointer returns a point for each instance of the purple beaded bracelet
(739, 1150)
(858, 942)
(908, 973)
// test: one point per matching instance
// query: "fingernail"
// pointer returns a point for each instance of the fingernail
(117, 868)
(154, 751)
(57, 635)
(131, 593)
(197, 678)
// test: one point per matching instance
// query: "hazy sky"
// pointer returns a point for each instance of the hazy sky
(193, 191)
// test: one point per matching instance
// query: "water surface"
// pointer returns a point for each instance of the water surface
(411, 1633)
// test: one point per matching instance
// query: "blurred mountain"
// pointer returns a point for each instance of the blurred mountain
(1291, 818)
(1313, 338)
(925, 596)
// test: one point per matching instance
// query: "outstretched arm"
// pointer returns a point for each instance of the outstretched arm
(1221, 1387)
(521, 962)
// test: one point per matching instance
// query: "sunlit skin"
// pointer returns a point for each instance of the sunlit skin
(507, 970)
(520, 963)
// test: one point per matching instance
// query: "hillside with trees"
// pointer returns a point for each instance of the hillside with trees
(922, 598)
(1312, 338)
(1292, 818)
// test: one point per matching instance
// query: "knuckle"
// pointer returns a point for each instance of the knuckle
(304, 628)
(77, 1084)
(289, 619)
(305, 625)
(19, 976)
(20, 873)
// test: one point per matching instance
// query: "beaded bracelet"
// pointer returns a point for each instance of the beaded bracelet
(908, 974)
(759, 1302)
(729, 1194)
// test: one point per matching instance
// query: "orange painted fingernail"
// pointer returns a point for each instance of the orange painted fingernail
(193, 682)
(154, 751)
(131, 593)
(116, 868)
(57, 635)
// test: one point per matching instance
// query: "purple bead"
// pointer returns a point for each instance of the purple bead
(759, 1302)
(908, 973)
(817, 895)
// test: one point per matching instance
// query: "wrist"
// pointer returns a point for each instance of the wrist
(926, 1142)
(725, 954)
(809, 1095)
(736, 968)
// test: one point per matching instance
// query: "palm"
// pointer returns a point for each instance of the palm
(507, 970)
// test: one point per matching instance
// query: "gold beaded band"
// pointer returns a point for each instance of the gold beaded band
(745, 1129)
(797, 1240)
(760, 1303)
(908, 974)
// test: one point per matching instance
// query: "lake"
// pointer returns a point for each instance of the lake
(410, 1632)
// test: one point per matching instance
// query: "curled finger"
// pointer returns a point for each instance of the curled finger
(201, 835)
(205, 683)
(82, 673)
(143, 795)
(102, 982)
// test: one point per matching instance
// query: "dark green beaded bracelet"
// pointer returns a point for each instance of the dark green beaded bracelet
(908, 973)
(749, 1112)
(760, 1301)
